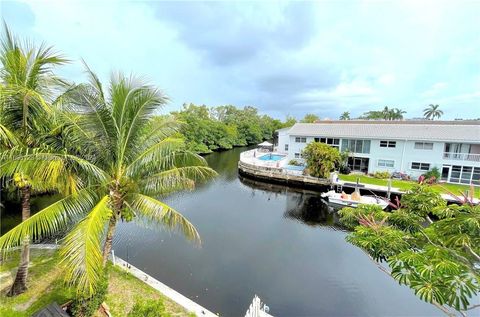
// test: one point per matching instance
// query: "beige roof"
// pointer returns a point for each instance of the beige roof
(451, 131)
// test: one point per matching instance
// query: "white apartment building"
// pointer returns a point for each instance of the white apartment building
(411, 147)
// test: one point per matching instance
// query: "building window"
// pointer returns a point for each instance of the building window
(286, 147)
(297, 155)
(420, 166)
(386, 163)
(388, 143)
(333, 142)
(423, 146)
(300, 140)
(465, 175)
(317, 139)
(356, 146)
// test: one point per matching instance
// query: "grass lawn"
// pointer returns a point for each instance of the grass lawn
(45, 282)
(406, 185)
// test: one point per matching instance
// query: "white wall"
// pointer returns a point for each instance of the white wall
(282, 140)
(403, 154)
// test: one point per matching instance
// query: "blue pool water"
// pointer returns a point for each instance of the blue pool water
(271, 157)
(294, 167)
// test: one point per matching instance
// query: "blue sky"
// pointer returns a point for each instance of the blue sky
(283, 57)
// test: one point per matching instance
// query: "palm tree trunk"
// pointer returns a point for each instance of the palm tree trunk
(107, 247)
(20, 284)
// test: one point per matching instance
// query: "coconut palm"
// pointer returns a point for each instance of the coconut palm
(432, 112)
(28, 85)
(345, 116)
(127, 159)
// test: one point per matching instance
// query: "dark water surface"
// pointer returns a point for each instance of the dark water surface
(279, 243)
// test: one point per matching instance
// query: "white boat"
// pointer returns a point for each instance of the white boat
(345, 200)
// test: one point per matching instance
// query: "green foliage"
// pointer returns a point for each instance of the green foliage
(310, 118)
(221, 128)
(432, 112)
(438, 262)
(289, 121)
(433, 173)
(349, 216)
(385, 114)
(435, 276)
(295, 163)
(149, 308)
(404, 220)
(422, 200)
(321, 159)
(380, 243)
(345, 116)
(381, 175)
(86, 306)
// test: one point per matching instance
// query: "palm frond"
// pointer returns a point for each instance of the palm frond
(175, 179)
(51, 219)
(81, 250)
(48, 167)
(156, 211)
(154, 153)
(7, 138)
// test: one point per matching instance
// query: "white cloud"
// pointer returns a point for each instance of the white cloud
(355, 56)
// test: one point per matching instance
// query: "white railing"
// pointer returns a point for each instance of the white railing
(461, 156)
(251, 157)
(257, 309)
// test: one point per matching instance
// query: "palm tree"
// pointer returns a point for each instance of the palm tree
(396, 114)
(432, 112)
(127, 160)
(27, 86)
(345, 116)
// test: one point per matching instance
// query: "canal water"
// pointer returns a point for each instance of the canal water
(279, 243)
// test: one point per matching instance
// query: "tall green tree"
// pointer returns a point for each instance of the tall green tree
(310, 118)
(432, 112)
(385, 114)
(345, 116)
(289, 121)
(321, 159)
(127, 160)
(28, 87)
(438, 259)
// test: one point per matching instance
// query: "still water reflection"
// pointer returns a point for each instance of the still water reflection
(282, 244)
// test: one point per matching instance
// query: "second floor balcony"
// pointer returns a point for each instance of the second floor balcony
(461, 156)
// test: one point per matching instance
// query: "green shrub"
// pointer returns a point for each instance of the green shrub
(295, 163)
(321, 159)
(433, 174)
(148, 308)
(381, 175)
(87, 306)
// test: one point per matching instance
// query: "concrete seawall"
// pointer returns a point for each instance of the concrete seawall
(278, 176)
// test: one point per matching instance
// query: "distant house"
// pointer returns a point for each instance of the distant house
(412, 147)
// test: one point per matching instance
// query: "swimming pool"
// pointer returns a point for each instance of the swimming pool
(271, 157)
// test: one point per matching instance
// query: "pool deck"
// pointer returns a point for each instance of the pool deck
(275, 171)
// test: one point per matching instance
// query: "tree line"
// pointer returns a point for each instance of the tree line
(207, 129)
(431, 112)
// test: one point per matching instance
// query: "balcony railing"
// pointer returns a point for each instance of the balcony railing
(461, 156)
